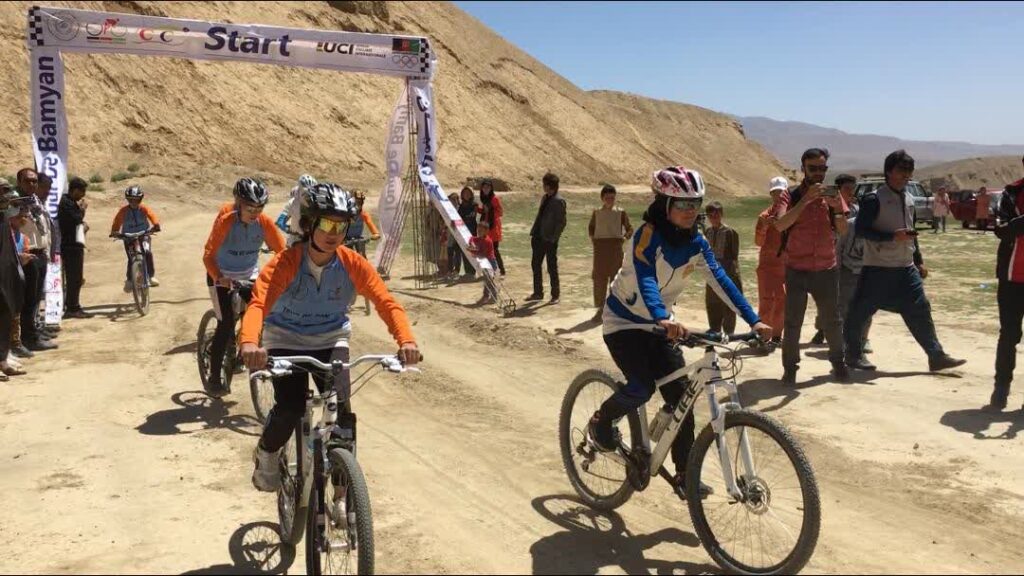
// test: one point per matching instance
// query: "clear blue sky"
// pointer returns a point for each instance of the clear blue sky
(928, 71)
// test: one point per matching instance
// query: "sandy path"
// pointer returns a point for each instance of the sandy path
(110, 468)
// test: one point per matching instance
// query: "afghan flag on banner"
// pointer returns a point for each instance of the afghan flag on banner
(405, 45)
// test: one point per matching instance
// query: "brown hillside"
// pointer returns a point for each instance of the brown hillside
(973, 173)
(501, 111)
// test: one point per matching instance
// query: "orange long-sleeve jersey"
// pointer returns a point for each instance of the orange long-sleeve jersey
(136, 219)
(301, 313)
(233, 248)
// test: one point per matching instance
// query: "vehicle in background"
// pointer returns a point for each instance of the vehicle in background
(924, 204)
(963, 206)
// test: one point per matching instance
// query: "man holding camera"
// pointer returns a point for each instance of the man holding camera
(810, 218)
(892, 278)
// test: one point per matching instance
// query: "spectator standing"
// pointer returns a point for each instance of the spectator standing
(608, 229)
(725, 242)
(468, 211)
(809, 220)
(940, 210)
(491, 211)
(482, 246)
(771, 267)
(892, 278)
(981, 209)
(544, 235)
(71, 219)
(38, 231)
(1010, 272)
(12, 281)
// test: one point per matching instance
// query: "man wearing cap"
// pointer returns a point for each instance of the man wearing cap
(810, 218)
(771, 270)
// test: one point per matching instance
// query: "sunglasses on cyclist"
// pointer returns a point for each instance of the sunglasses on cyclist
(686, 203)
(332, 226)
(252, 208)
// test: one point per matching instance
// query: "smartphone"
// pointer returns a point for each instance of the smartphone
(831, 191)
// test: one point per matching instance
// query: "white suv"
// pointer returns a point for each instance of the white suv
(923, 201)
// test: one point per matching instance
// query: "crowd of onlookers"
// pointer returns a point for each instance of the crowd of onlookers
(30, 240)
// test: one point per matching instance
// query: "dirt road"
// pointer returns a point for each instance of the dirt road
(113, 461)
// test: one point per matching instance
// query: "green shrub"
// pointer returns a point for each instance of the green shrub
(95, 179)
(120, 176)
(133, 167)
(95, 187)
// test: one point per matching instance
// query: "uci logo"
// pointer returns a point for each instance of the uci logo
(335, 48)
(166, 36)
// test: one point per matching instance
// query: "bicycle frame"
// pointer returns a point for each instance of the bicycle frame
(327, 433)
(707, 374)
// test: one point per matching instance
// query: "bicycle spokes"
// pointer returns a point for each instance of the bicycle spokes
(760, 524)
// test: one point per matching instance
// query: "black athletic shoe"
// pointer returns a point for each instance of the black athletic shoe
(679, 487)
(861, 364)
(944, 362)
(818, 339)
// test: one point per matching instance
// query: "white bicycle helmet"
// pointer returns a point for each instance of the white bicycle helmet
(678, 182)
(306, 181)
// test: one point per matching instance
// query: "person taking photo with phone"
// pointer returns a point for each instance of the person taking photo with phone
(892, 278)
(809, 220)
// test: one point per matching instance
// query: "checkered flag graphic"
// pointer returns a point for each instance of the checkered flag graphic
(35, 27)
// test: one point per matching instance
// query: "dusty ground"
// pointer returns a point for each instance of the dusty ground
(114, 462)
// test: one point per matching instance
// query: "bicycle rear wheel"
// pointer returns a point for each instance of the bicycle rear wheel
(345, 545)
(204, 340)
(291, 509)
(600, 481)
(773, 527)
(140, 286)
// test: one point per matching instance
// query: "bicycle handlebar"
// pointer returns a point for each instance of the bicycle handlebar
(132, 235)
(696, 339)
(282, 365)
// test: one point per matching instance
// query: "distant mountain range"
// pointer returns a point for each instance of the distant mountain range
(857, 152)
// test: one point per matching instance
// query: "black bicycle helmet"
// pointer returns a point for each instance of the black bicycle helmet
(325, 199)
(133, 193)
(249, 190)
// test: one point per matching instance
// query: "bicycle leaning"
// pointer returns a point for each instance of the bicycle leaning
(762, 513)
(136, 244)
(323, 491)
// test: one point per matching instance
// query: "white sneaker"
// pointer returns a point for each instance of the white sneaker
(12, 362)
(266, 476)
(127, 286)
(153, 281)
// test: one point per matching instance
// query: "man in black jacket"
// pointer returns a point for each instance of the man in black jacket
(12, 282)
(1010, 296)
(70, 215)
(547, 229)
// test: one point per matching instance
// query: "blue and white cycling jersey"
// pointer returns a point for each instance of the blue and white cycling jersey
(652, 278)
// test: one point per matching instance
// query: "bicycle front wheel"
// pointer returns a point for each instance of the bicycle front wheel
(291, 509)
(345, 544)
(599, 480)
(140, 286)
(771, 526)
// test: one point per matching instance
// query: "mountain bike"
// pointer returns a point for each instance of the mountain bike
(204, 343)
(138, 272)
(762, 515)
(359, 245)
(323, 491)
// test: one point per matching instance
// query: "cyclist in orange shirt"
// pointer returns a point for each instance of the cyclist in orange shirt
(300, 306)
(132, 219)
(232, 254)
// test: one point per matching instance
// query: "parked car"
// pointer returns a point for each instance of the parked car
(923, 202)
(963, 206)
